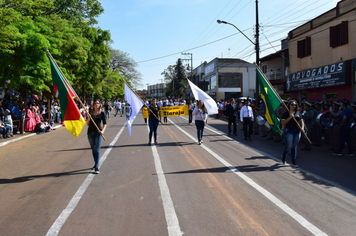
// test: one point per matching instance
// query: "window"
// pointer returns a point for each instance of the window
(304, 47)
(227, 80)
(339, 34)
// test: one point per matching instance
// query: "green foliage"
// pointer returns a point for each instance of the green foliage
(30, 27)
(175, 77)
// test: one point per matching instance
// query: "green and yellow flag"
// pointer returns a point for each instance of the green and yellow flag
(71, 116)
(271, 101)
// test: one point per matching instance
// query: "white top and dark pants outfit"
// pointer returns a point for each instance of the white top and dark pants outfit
(246, 116)
(200, 118)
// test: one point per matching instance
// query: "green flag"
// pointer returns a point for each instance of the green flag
(271, 101)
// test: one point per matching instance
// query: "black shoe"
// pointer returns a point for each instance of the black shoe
(96, 171)
(283, 157)
(93, 168)
(249, 138)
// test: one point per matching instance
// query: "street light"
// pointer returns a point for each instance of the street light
(257, 48)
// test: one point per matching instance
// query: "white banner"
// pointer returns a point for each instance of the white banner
(132, 107)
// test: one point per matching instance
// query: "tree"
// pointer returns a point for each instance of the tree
(122, 62)
(175, 77)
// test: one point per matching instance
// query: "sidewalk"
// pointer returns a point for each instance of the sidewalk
(18, 137)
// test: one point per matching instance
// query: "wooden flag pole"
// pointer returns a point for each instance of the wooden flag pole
(142, 101)
(285, 106)
(75, 94)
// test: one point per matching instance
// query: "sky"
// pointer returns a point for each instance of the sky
(155, 33)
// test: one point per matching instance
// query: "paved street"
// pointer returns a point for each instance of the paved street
(227, 186)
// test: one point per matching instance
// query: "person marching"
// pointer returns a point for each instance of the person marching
(317, 128)
(246, 117)
(291, 131)
(335, 130)
(345, 130)
(154, 117)
(309, 116)
(95, 135)
(353, 126)
(191, 107)
(231, 111)
(201, 114)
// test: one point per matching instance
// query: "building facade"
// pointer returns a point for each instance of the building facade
(156, 90)
(224, 78)
(322, 54)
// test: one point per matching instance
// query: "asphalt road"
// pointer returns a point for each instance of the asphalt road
(227, 186)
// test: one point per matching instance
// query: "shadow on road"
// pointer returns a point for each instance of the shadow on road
(32, 177)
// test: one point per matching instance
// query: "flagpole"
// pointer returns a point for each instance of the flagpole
(75, 94)
(142, 101)
(285, 106)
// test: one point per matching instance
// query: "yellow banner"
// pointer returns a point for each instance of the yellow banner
(145, 112)
(182, 110)
(175, 111)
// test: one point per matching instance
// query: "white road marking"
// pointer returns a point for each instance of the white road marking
(169, 211)
(62, 218)
(300, 219)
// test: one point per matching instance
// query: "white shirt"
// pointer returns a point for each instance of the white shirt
(200, 115)
(246, 111)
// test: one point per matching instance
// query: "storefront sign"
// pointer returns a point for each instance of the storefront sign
(324, 76)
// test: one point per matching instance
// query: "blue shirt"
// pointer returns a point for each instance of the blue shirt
(15, 110)
(346, 112)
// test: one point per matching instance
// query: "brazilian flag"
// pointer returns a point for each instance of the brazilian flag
(271, 102)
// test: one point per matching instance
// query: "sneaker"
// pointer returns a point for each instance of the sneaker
(283, 159)
(294, 166)
(149, 143)
(156, 142)
(350, 154)
(96, 171)
(337, 153)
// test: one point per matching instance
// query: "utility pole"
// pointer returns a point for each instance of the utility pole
(257, 48)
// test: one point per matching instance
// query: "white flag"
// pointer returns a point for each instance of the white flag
(132, 107)
(199, 94)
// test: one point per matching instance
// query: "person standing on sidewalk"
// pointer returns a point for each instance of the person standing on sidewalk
(291, 131)
(345, 130)
(201, 114)
(94, 136)
(154, 117)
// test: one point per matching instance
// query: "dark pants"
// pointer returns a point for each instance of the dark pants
(190, 116)
(248, 124)
(345, 133)
(232, 120)
(200, 129)
(153, 124)
(95, 140)
(16, 125)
